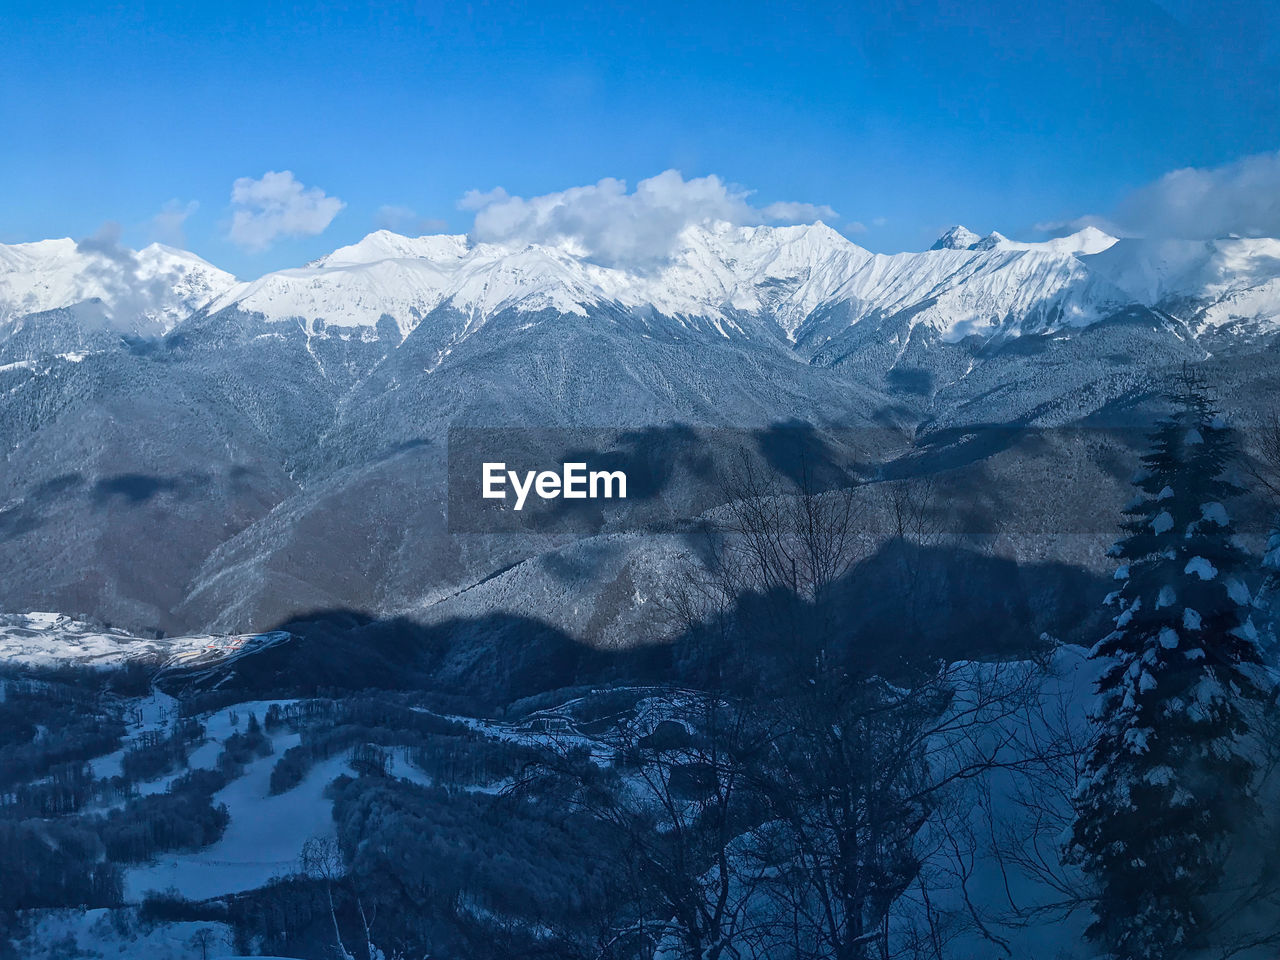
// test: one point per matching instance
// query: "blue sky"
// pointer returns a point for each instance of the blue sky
(902, 118)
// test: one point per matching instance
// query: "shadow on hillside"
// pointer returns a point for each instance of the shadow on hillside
(902, 603)
(137, 488)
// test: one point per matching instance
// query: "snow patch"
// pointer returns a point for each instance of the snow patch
(1215, 513)
(1201, 567)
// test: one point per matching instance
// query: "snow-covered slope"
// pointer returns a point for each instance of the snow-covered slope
(145, 292)
(1210, 284)
(991, 288)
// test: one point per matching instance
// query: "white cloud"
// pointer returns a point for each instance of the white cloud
(477, 200)
(118, 270)
(605, 222)
(1198, 202)
(166, 226)
(277, 206)
(105, 243)
(1195, 203)
(798, 212)
(405, 220)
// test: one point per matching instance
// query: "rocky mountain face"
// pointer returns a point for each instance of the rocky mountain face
(180, 451)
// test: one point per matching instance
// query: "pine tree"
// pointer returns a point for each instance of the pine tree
(1168, 779)
(1267, 601)
(1264, 468)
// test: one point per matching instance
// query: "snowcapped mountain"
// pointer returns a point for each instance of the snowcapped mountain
(798, 284)
(284, 439)
(1085, 241)
(990, 288)
(260, 490)
(956, 238)
(718, 272)
(1227, 284)
(145, 292)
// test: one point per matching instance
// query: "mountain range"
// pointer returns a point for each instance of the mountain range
(185, 452)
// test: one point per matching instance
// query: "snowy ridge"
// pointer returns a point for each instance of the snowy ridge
(717, 273)
(961, 292)
(145, 292)
(1084, 242)
(963, 286)
(1210, 284)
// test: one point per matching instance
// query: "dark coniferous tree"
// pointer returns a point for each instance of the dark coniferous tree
(1267, 601)
(1168, 777)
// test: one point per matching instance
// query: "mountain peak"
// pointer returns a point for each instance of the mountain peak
(957, 238)
(386, 245)
(991, 241)
(1092, 240)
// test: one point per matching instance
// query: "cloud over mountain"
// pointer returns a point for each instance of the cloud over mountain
(278, 205)
(402, 219)
(117, 269)
(1203, 202)
(1196, 203)
(605, 222)
(167, 225)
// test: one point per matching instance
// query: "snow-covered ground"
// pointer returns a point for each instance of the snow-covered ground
(266, 833)
(115, 933)
(986, 856)
(42, 639)
(262, 841)
(975, 866)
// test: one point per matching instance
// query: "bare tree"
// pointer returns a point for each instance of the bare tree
(803, 541)
(202, 940)
(672, 800)
(1263, 466)
(766, 571)
(912, 525)
(862, 747)
(321, 859)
